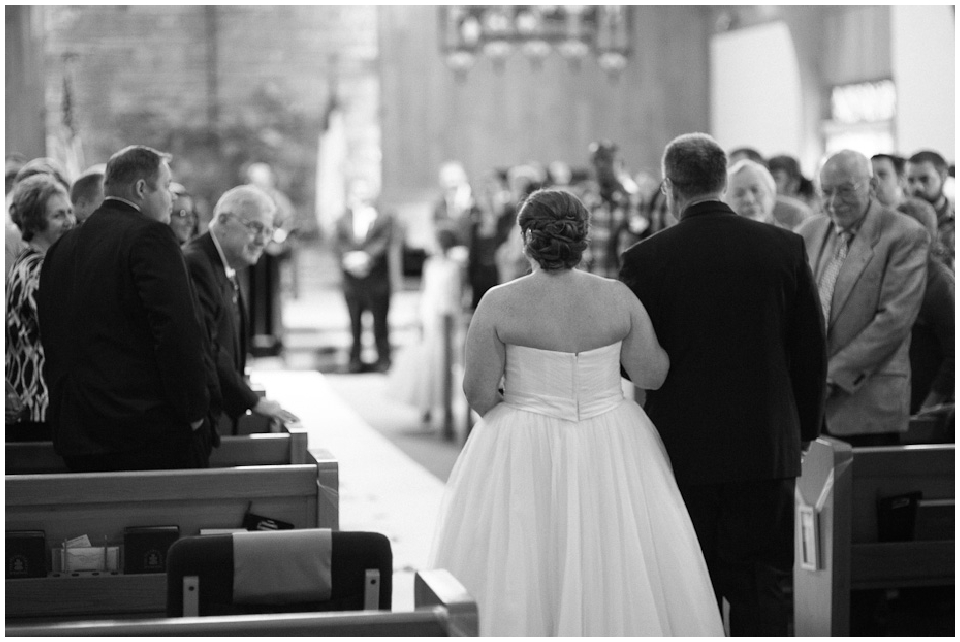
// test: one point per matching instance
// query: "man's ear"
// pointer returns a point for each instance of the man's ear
(140, 188)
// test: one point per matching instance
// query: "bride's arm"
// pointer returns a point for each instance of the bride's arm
(484, 359)
(641, 355)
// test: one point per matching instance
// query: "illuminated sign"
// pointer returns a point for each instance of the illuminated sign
(864, 102)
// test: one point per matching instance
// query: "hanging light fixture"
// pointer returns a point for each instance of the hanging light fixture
(574, 31)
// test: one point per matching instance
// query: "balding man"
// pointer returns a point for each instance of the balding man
(870, 266)
(122, 341)
(241, 227)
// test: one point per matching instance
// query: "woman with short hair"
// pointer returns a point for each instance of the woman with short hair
(41, 209)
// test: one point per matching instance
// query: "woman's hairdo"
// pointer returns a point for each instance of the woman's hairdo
(557, 223)
(28, 207)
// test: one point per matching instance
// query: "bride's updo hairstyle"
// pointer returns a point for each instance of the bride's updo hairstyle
(557, 223)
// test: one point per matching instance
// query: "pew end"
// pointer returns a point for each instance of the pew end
(842, 498)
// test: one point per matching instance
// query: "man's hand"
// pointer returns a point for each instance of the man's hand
(194, 425)
(272, 409)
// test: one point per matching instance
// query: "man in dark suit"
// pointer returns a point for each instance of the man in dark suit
(123, 343)
(364, 235)
(241, 227)
(735, 307)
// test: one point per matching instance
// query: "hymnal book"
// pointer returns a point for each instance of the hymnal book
(896, 517)
(26, 554)
(145, 548)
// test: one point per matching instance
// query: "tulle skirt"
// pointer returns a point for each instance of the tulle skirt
(573, 528)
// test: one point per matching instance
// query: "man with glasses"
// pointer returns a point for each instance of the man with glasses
(870, 267)
(734, 305)
(241, 227)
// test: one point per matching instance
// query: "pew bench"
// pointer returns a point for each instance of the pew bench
(101, 505)
(838, 543)
(442, 609)
(289, 446)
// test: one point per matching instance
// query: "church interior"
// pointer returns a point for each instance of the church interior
(416, 113)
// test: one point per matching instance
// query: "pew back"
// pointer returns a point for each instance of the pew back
(101, 505)
(255, 449)
(841, 549)
(443, 608)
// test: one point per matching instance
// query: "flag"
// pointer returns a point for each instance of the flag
(69, 148)
(331, 161)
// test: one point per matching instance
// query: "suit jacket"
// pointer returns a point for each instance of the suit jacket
(734, 306)
(875, 302)
(122, 339)
(376, 243)
(225, 318)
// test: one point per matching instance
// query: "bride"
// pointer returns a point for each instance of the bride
(561, 515)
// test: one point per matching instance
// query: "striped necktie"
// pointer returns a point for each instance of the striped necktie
(830, 273)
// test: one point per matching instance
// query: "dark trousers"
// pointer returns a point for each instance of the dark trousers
(746, 534)
(373, 294)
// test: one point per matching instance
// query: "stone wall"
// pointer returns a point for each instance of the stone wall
(218, 87)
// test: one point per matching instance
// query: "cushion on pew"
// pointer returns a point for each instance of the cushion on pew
(211, 558)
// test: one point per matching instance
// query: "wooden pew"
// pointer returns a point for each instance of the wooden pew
(841, 550)
(442, 609)
(101, 505)
(254, 449)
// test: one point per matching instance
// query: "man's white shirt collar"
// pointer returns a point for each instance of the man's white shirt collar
(229, 271)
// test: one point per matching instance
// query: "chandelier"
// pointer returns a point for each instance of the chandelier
(496, 31)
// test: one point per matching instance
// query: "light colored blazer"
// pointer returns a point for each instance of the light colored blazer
(875, 302)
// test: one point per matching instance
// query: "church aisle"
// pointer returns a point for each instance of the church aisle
(381, 488)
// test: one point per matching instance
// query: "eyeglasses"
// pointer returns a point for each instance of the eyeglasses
(255, 228)
(843, 192)
(184, 214)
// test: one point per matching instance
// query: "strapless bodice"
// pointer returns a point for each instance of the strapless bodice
(565, 385)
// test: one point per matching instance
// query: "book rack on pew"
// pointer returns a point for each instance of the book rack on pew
(102, 505)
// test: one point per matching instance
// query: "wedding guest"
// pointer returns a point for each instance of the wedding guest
(751, 191)
(490, 224)
(932, 364)
(241, 227)
(456, 199)
(86, 193)
(926, 178)
(562, 516)
(612, 204)
(889, 175)
(183, 219)
(417, 376)
(41, 209)
(124, 347)
(734, 304)
(14, 244)
(870, 265)
(363, 237)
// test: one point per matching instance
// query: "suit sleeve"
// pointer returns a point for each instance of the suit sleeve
(806, 346)
(161, 281)
(379, 242)
(237, 397)
(901, 292)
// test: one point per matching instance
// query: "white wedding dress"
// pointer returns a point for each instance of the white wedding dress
(562, 516)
